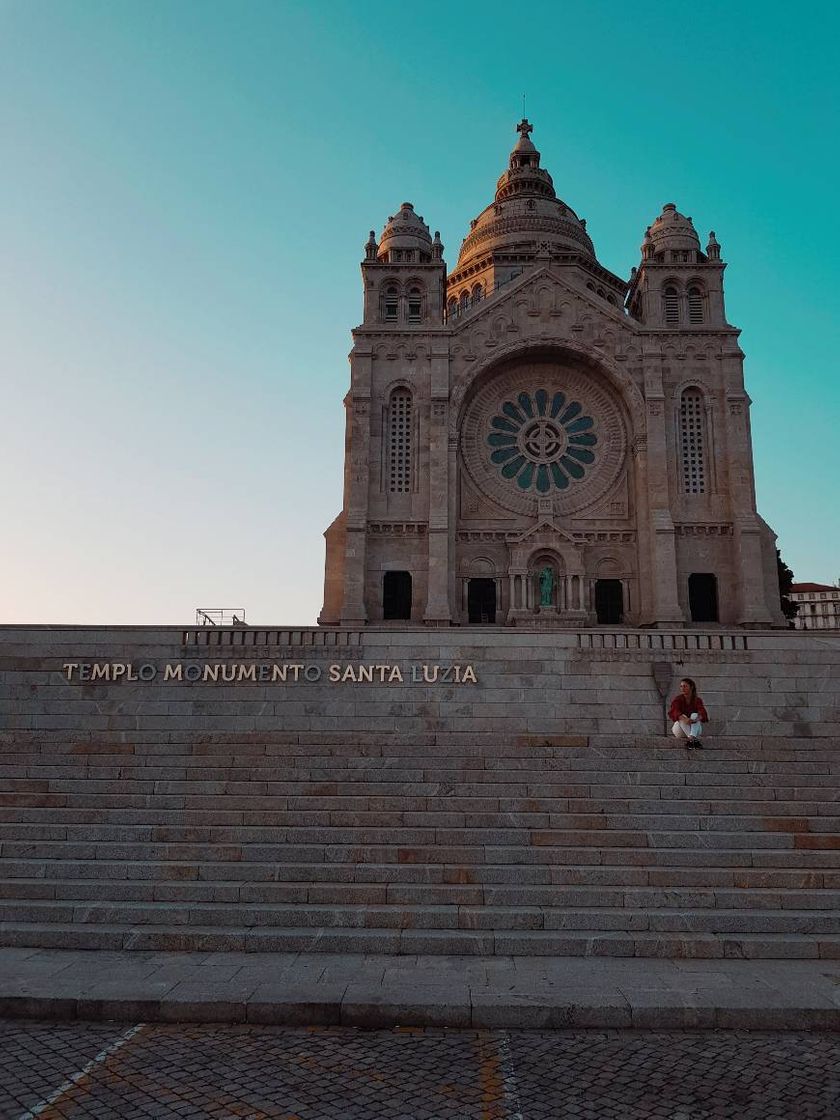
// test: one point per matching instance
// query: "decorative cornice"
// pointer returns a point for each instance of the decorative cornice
(695, 530)
(397, 528)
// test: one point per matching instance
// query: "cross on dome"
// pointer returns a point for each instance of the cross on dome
(525, 127)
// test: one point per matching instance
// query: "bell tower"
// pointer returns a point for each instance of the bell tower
(676, 284)
(404, 275)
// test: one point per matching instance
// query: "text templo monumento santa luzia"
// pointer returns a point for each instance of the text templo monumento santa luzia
(85, 672)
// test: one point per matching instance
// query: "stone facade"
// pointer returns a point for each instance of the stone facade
(819, 606)
(533, 441)
(316, 682)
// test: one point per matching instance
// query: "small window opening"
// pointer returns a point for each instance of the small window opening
(415, 305)
(692, 442)
(672, 306)
(695, 305)
(392, 304)
(399, 442)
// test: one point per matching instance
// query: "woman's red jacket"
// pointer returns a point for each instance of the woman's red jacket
(682, 707)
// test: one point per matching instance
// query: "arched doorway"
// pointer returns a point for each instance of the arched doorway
(481, 600)
(609, 602)
(703, 597)
(396, 595)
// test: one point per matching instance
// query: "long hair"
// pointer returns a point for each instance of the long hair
(693, 686)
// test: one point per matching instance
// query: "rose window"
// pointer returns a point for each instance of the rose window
(542, 441)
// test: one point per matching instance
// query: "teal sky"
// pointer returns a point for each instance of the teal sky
(188, 186)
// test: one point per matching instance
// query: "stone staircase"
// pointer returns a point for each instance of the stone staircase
(478, 845)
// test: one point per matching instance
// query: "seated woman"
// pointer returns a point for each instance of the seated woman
(689, 714)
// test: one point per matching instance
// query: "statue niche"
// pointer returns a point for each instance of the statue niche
(547, 587)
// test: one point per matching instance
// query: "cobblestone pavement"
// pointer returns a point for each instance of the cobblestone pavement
(71, 1071)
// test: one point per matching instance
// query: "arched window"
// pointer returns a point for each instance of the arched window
(452, 308)
(695, 304)
(391, 303)
(415, 305)
(477, 294)
(399, 442)
(693, 442)
(465, 300)
(671, 305)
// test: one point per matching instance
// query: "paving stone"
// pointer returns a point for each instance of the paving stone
(333, 1073)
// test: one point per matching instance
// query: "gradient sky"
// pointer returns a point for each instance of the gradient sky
(187, 189)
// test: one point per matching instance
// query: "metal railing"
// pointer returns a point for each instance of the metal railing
(220, 616)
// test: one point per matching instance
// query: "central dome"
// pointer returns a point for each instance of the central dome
(526, 216)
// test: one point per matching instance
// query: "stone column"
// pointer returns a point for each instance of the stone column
(357, 484)
(438, 610)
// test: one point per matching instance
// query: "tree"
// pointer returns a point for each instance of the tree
(789, 608)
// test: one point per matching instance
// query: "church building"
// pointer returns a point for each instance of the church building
(533, 441)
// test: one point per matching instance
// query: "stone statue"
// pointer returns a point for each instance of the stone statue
(546, 586)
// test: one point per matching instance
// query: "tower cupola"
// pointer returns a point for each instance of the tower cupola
(673, 231)
(405, 238)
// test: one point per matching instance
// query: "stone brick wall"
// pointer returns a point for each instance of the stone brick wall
(527, 683)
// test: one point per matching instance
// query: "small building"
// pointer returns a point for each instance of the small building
(819, 606)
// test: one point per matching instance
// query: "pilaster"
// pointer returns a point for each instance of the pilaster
(354, 612)
(663, 549)
(438, 608)
(749, 567)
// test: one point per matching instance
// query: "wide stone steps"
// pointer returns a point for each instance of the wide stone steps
(614, 848)
(417, 895)
(473, 811)
(569, 942)
(86, 874)
(423, 916)
(412, 828)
